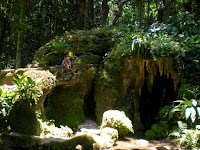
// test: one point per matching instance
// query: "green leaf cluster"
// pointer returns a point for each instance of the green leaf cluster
(6, 101)
(26, 88)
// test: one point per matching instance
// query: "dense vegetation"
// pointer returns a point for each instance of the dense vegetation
(104, 32)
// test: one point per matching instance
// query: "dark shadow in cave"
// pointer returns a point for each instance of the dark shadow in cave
(150, 103)
(89, 105)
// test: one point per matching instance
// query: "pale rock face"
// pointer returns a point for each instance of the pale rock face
(118, 120)
(110, 133)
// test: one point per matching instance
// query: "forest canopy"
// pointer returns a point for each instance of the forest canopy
(27, 25)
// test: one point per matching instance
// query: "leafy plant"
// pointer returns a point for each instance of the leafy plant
(26, 88)
(6, 101)
(186, 138)
(186, 109)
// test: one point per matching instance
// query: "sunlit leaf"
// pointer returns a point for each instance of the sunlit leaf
(188, 111)
(198, 111)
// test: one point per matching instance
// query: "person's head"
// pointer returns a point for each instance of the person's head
(68, 58)
(65, 58)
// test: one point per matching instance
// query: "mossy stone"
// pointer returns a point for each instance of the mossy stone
(23, 142)
(65, 107)
(89, 59)
(22, 118)
(86, 141)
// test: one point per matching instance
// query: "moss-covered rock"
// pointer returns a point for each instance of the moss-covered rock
(65, 107)
(92, 42)
(86, 141)
(105, 99)
(110, 133)
(23, 142)
(22, 118)
(89, 59)
(117, 120)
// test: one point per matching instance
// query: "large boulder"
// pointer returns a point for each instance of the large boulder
(89, 45)
(65, 106)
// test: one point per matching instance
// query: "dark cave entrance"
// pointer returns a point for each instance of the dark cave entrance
(150, 102)
(89, 105)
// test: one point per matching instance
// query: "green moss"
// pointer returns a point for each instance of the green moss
(94, 42)
(86, 141)
(65, 107)
(22, 118)
(105, 100)
(90, 59)
(23, 142)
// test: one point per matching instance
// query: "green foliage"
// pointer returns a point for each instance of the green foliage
(186, 138)
(19, 142)
(26, 88)
(6, 101)
(188, 90)
(185, 109)
(52, 53)
(159, 130)
(22, 118)
(65, 108)
(117, 120)
(86, 141)
(159, 41)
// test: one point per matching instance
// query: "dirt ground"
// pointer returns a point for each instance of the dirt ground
(136, 141)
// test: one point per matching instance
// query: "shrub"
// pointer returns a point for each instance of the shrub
(186, 138)
(158, 130)
(117, 119)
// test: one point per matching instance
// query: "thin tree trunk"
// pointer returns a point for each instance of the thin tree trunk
(20, 39)
(55, 17)
(148, 10)
(91, 13)
(167, 11)
(140, 13)
(82, 14)
(4, 29)
(105, 10)
(118, 13)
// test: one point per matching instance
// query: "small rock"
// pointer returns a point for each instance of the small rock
(142, 142)
(78, 147)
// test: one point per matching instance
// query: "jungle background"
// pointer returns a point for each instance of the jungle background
(144, 55)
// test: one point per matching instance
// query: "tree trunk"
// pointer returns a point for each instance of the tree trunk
(4, 28)
(140, 13)
(148, 10)
(82, 16)
(55, 17)
(118, 13)
(167, 11)
(20, 39)
(105, 10)
(91, 13)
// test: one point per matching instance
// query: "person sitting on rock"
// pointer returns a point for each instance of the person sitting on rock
(68, 64)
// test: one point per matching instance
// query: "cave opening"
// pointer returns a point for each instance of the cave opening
(162, 94)
(89, 105)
